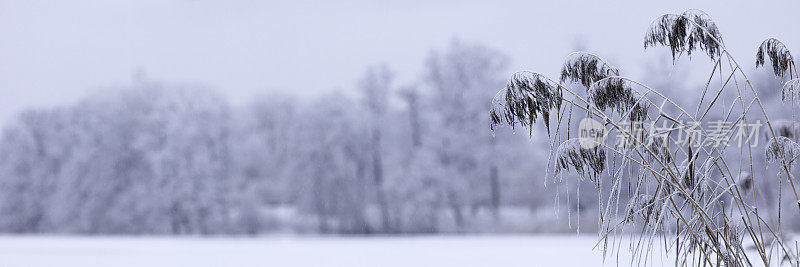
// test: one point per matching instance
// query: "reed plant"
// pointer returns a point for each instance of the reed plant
(695, 197)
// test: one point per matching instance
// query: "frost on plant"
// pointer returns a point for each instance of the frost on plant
(782, 149)
(790, 89)
(615, 93)
(527, 96)
(684, 33)
(585, 161)
(782, 60)
(586, 69)
(696, 193)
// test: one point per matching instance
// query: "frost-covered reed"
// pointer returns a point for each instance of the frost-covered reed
(700, 200)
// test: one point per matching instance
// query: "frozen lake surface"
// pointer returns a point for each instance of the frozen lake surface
(566, 250)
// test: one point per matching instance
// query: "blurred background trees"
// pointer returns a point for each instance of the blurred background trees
(155, 158)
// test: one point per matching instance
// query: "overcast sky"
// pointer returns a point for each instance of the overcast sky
(55, 52)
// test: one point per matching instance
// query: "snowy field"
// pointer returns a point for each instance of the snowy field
(568, 250)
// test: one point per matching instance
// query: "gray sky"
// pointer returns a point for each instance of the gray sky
(55, 52)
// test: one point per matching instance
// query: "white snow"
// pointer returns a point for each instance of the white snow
(566, 250)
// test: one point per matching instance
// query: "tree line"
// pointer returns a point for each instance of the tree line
(159, 158)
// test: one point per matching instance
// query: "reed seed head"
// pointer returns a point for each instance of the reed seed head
(616, 93)
(527, 96)
(585, 161)
(684, 33)
(586, 69)
(782, 60)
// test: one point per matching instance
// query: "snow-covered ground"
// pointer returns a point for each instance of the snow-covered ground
(566, 250)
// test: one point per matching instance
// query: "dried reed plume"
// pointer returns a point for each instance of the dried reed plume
(587, 162)
(527, 96)
(684, 33)
(782, 60)
(616, 93)
(782, 148)
(586, 69)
